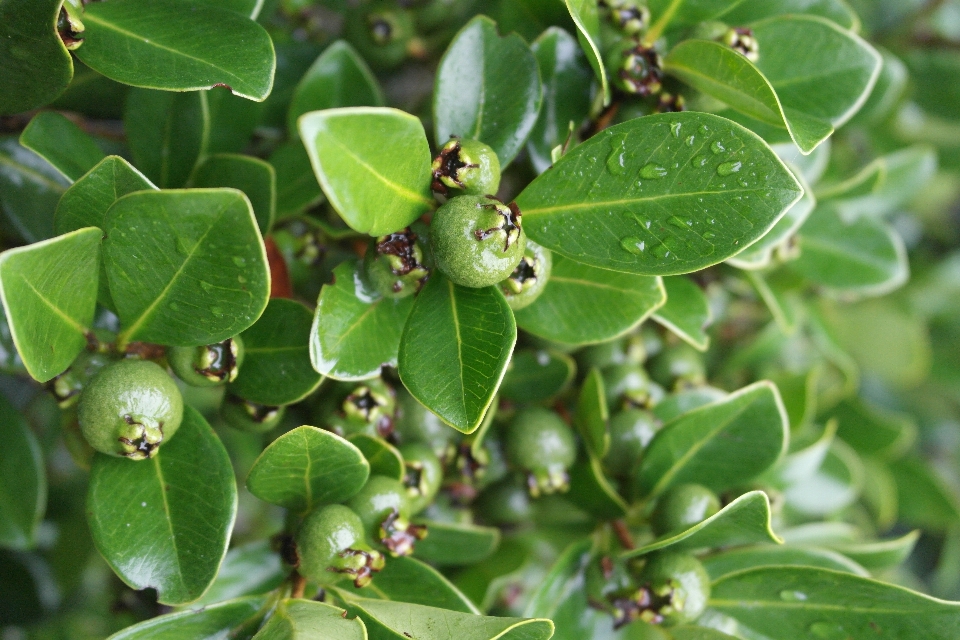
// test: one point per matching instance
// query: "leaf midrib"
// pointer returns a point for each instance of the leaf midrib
(599, 204)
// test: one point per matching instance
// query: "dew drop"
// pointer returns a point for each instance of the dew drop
(704, 129)
(700, 161)
(206, 286)
(182, 247)
(652, 172)
(729, 168)
(174, 306)
(828, 631)
(680, 223)
(241, 279)
(661, 251)
(217, 311)
(743, 182)
(616, 161)
(709, 235)
(237, 260)
(789, 595)
(633, 245)
(675, 129)
(717, 147)
(691, 140)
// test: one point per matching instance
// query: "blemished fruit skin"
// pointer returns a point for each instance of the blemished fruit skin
(466, 167)
(541, 444)
(424, 475)
(209, 365)
(331, 546)
(683, 580)
(129, 408)
(683, 506)
(530, 278)
(477, 241)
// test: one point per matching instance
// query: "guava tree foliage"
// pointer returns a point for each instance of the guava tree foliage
(514, 319)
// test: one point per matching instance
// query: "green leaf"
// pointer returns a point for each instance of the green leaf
(165, 522)
(355, 331)
(925, 499)
(686, 312)
(49, 291)
(487, 89)
(213, 621)
(307, 467)
(592, 414)
(719, 445)
(734, 560)
(35, 66)
(373, 164)
(175, 45)
(251, 569)
(879, 554)
(835, 485)
(86, 202)
(406, 579)
(276, 368)
(255, 177)
(232, 120)
(297, 186)
(23, 480)
(430, 623)
(835, 10)
(309, 620)
(455, 349)
(450, 544)
(591, 490)
(744, 521)
(248, 8)
(29, 191)
(678, 403)
(61, 143)
(565, 76)
(383, 457)
(536, 375)
(167, 133)
(660, 195)
(587, 18)
(585, 305)
(673, 14)
(800, 465)
(797, 602)
(186, 268)
(874, 431)
(865, 257)
(338, 78)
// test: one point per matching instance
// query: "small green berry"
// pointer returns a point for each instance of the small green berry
(529, 279)
(626, 385)
(209, 365)
(477, 240)
(631, 430)
(250, 416)
(468, 166)
(382, 32)
(394, 264)
(629, 16)
(542, 445)
(424, 474)
(635, 68)
(67, 387)
(415, 423)
(504, 503)
(331, 546)
(683, 506)
(384, 508)
(678, 586)
(129, 408)
(680, 366)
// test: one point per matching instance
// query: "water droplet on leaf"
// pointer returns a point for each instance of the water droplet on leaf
(633, 245)
(700, 161)
(828, 631)
(717, 147)
(616, 161)
(675, 129)
(789, 595)
(217, 311)
(729, 168)
(690, 140)
(652, 172)
(237, 260)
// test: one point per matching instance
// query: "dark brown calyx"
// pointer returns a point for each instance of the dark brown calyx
(360, 564)
(259, 413)
(448, 167)
(70, 30)
(741, 39)
(509, 224)
(641, 71)
(399, 536)
(641, 604)
(402, 250)
(670, 103)
(525, 275)
(218, 362)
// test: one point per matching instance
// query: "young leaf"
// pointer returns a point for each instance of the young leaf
(746, 520)
(49, 291)
(406, 579)
(734, 560)
(23, 480)
(29, 191)
(86, 202)
(797, 602)
(709, 445)
(165, 522)
(585, 305)
(383, 457)
(565, 76)
(167, 133)
(687, 311)
(309, 620)
(276, 369)
(592, 414)
(61, 143)
(255, 177)
(452, 544)
(373, 164)
(455, 349)
(186, 268)
(338, 78)
(587, 18)
(487, 89)
(355, 331)
(175, 45)
(536, 375)
(660, 195)
(212, 621)
(307, 467)
(36, 66)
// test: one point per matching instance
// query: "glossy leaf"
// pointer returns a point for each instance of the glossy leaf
(23, 480)
(830, 602)
(255, 177)
(835, 10)
(213, 621)
(585, 305)
(355, 331)
(686, 312)
(178, 46)
(565, 76)
(744, 521)
(250, 569)
(185, 268)
(338, 78)
(835, 485)
(383, 457)
(660, 195)
(307, 467)
(587, 18)
(165, 522)
(734, 560)
(487, 89)
(535, 375)
(801, 464)
(455, 349)
(406, 579)
(880, 554)
(593, 492)
(297, 186)
(673, 14)
(86, 202)
(167, 133)
(36, 66)
(678, 403)
(925, 499)
(232, 120)
(373, 164)
(309, 620)
(709, 445)
(872, 430)
(276, 369)
(592, 414)
(61, 143)
(450, 544)
(29, 191)
(49, 291)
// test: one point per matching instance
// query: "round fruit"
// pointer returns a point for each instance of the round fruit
(629, 16)
(505, 503)
(541, 444)
(394, 264)
(679, 588)
(627, 385)
(331, 545)
(683, 506)
(529, 279)
(635, 68)
(415, 423)
(381, 31)
(384, 509)
(467, 166)
(424, 474)
(477, 240)
(250, 416)
(129, 408)
(681, 365)
(209, 365)
(66, 387)
(630, 432)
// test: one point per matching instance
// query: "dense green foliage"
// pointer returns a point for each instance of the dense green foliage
(480, 319)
